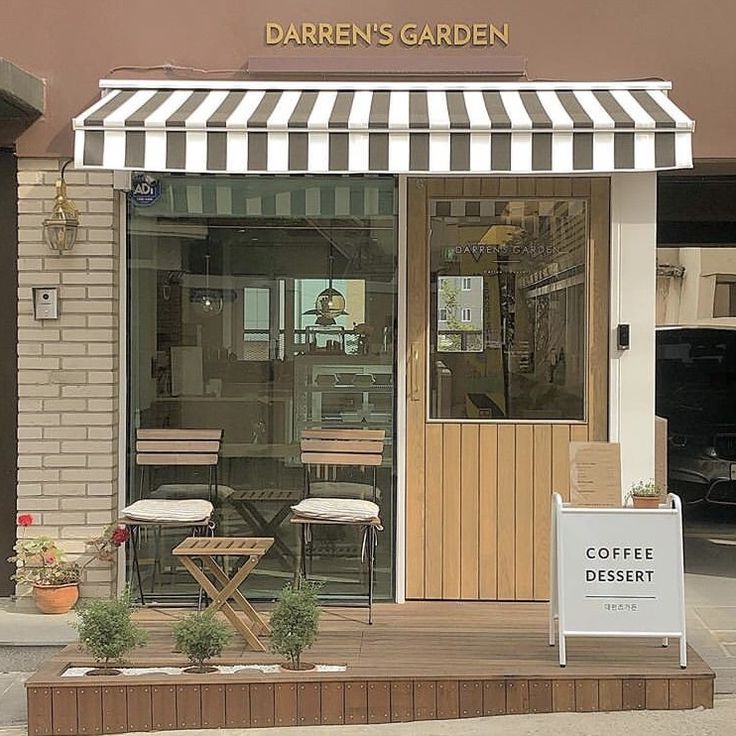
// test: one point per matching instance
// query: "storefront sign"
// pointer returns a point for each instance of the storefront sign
(386, 34)
(617, 572)
(145, 190)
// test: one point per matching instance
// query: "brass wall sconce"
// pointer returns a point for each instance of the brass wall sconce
(60, 229)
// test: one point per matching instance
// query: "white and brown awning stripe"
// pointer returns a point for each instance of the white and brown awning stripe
(410, 128)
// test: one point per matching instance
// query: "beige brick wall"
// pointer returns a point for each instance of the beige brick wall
(68, 368)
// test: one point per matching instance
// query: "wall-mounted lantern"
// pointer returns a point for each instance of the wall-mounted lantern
(60, 229)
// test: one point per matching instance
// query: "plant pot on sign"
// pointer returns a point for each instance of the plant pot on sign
(55, 599)
(646, 495)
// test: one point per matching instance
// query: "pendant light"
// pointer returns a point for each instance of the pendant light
(209, 302)
(330, 303)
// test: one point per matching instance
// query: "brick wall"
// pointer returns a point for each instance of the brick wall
(68, 368)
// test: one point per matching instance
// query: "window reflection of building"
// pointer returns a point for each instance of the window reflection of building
(523, 263)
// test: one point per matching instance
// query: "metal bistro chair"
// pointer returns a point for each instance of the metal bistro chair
(173, 447)
(331, 501)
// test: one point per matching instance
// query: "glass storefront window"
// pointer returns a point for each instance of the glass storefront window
(263, 306)
(508, 309)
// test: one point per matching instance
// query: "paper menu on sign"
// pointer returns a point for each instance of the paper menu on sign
(595, 474)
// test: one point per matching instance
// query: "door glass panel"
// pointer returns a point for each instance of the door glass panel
(508, 309)
(262, 306)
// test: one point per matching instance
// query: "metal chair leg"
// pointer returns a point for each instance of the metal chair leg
(371, 565)
(134, 539)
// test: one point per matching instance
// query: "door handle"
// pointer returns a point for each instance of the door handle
(414, 389)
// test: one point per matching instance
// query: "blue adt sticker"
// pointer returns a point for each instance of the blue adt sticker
(144, 190)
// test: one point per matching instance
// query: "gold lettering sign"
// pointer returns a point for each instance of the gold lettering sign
(385, 34)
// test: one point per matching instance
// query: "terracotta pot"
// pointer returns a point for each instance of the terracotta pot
(55, 598)
(646, 502)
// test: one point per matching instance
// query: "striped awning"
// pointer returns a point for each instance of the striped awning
(329, 127)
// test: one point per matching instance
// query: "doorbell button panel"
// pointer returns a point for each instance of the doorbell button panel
(45, 302)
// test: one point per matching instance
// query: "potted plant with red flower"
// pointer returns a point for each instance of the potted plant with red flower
(41, 563)
(106, 545)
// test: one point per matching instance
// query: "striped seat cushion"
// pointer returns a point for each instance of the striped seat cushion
(164, 511)
(338, 510)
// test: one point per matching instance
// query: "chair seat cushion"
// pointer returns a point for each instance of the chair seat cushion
(338, 510)
(338, 489)
(169, 511)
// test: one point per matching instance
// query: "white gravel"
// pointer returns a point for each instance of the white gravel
(267, 669)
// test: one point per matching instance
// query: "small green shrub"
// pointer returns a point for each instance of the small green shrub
(107, 631)
(201, 636)
(295, 620)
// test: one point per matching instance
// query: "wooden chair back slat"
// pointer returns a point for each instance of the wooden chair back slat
(342, 446)
(341, 458)
(179, 434)
(178, 446)
(344, 434)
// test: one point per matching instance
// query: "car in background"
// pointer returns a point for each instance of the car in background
(696, 393)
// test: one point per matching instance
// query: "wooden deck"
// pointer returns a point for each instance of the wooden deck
(418, 661)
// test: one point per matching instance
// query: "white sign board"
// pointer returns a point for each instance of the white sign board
(617, 572)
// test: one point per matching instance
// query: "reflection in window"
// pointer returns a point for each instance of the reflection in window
(508, 287)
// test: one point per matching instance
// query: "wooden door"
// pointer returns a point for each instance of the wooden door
(478, 492)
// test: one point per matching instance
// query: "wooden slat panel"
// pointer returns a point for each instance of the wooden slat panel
(634, 694)
(702, 693)
(402, 701)
(213, 706)
(681, 694)
(114, 709)
(506, 542)
(356, 702)
(415, 462)
(562, 186)
(524, 522)
(139, 708)
(163, 707)
(285, 704)
(308, 704)
(340, 458)
(563, 696)
(469, 512)
(471, 186)
(450, 511)
(657, 694)
(488, 511)
(89, 703)
(188, 706)
(526, 186)
(544, 186)
(179, 434)
(599, 272)
(540, 696)
(64, 709)
(435, 186)
(453, 186)
(237, 706)
(542, 501)
(494, 697)
(578, 433)
(379, 702)
(610, 695)
(177, 446)
(425, 700)
(162, 458)
(448, 699)
(39, 711)
(319, 433)
(586, 695)
(333, 704)
(433, 513)
(561, 460)
(517, 696)
(341, 446)
(580, 186)
(261, 705)
(471, 699)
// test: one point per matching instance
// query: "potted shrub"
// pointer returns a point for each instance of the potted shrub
(41, 563)
(108, 633)
(201, 636)
(295, 622)
(646, 495)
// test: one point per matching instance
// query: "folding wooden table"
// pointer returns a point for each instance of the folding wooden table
(220, 587)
